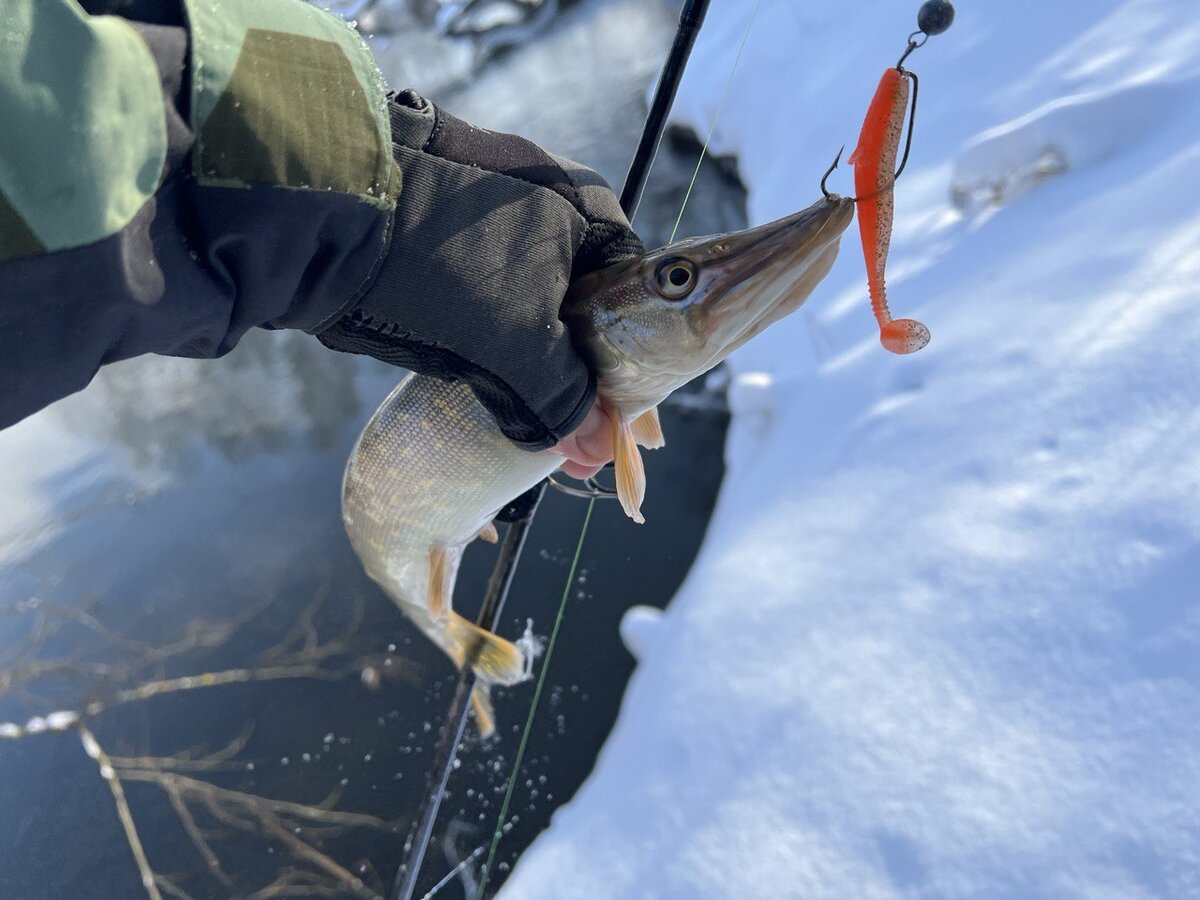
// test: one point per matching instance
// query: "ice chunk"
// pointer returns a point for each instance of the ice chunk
(1012, 159)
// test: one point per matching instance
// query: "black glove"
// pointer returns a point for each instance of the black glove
(489, 231)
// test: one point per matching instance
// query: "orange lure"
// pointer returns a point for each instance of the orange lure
(874, 161)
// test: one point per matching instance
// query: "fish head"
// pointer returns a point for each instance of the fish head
(650, 324)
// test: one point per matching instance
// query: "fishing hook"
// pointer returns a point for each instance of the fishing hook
(837, 159)
(934, 17)
(912, 121)
(912, 45)
(596, 491)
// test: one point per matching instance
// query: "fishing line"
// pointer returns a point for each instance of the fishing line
(537, 695)
(498, 834)
(712, 127)
(934, 17)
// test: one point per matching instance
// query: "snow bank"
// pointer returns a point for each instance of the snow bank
(944, 636)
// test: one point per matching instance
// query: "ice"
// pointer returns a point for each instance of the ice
(943, 638)
(531, 646)
(1066, 134)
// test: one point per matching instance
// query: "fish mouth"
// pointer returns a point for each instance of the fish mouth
(764, 273)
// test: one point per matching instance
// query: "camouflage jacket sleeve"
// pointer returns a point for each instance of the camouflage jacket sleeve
(178, 174)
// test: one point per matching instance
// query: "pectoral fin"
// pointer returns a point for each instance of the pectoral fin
(489, 533)
(647, 430)
(631, 476)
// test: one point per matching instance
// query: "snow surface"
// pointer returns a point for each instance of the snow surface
(943, 638)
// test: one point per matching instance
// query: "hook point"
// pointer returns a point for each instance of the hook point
(837, 159)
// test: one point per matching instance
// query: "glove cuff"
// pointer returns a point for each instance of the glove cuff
(359, 333)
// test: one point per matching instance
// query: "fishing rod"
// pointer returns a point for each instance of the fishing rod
(520, 512)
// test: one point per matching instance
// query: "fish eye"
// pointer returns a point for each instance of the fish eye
(676, 278)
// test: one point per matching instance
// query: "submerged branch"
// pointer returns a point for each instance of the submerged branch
(208, 814)
(94, 751)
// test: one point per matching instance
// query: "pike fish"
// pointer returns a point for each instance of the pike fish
(431, 469)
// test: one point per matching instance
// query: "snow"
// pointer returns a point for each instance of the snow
(943, 638)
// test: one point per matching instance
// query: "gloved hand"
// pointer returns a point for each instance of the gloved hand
(489, 231)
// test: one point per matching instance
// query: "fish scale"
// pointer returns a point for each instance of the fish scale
(431, 467)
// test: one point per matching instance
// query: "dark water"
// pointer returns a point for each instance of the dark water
(241, 562)
(180, 518)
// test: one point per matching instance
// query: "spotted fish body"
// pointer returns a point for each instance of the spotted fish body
(429, 472)
(431, 468)
(447, 469)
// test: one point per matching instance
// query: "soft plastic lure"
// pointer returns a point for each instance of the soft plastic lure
(874, 161)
